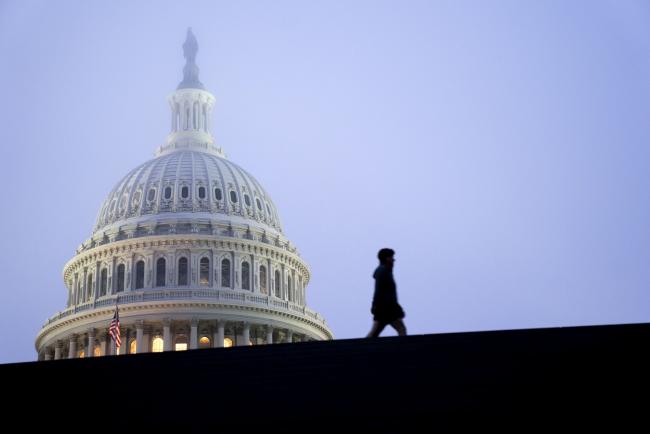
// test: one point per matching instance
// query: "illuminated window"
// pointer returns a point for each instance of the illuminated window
(245, 275)
(157, 346)
(82, 354)
(97, 352)
(181, 347)
(201, 192)
(225, 273)
(204, 342)
(120, 278)
(133, 346)
(139, 275)
(263, 279)
(227, 342)
(204, 272)
(182, 272)
(160, 272)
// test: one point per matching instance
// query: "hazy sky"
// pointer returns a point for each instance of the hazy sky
(500, 147)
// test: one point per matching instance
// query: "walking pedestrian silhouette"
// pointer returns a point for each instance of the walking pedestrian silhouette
(385, 308)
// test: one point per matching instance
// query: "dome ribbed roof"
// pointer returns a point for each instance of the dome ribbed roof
(194, 183)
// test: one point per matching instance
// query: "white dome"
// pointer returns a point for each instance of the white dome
(191, 248)
(188, 185)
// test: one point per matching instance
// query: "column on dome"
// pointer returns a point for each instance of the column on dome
(75, 281)
(194, 334)
(219, 335)
(91, 343)
(72, 349)
(84, 285)
(236, 270)
(139, 335)
(269, 334)
(283, 286)
(96, 282)
(149, 277)
(102, 344)
(111, 287)
(167, 335)
(146, 339)
(252, 275)
(58, 347)
(246, 335)
(289, 335)
(47, 355)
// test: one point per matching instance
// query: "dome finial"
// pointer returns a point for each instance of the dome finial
(190, 71)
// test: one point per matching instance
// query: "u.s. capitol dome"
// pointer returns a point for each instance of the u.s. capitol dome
(191, 249)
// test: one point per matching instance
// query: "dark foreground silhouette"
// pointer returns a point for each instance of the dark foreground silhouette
(523, 379)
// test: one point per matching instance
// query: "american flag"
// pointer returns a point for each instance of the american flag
(114, 329)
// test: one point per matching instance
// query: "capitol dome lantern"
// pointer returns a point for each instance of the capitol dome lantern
(190, 246)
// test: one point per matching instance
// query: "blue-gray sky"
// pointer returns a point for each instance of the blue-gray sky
(500, 147)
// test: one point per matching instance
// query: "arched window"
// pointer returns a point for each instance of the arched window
(195, 115)
(225, 273)
(185, 192)
(82, 354)
(160, 272)
(133, 347)
(151, 195)
(263, 287)
(97, 352)
(78, 292)
(247, 200)
(245, 276)
(205, 119)
(217, 194)
(289, 288)
(103, 282)
(157, 346)
(182, 272)
(168, 193)
(139, 275)
(233, 196)
(187, 118)
(259, 204)
(204, 342)
(120, 277)
(204, 272)
(89, 288)
(278, 284)
(227, 342)
(201, 192)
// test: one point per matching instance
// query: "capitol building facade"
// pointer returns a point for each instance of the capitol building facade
(190, 247)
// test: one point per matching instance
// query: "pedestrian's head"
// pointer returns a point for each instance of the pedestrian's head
(385, 256)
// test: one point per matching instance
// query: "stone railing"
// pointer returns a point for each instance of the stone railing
(225, 296)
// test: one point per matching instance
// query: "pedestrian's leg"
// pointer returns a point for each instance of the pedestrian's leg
(399, 326)
(377, 327)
